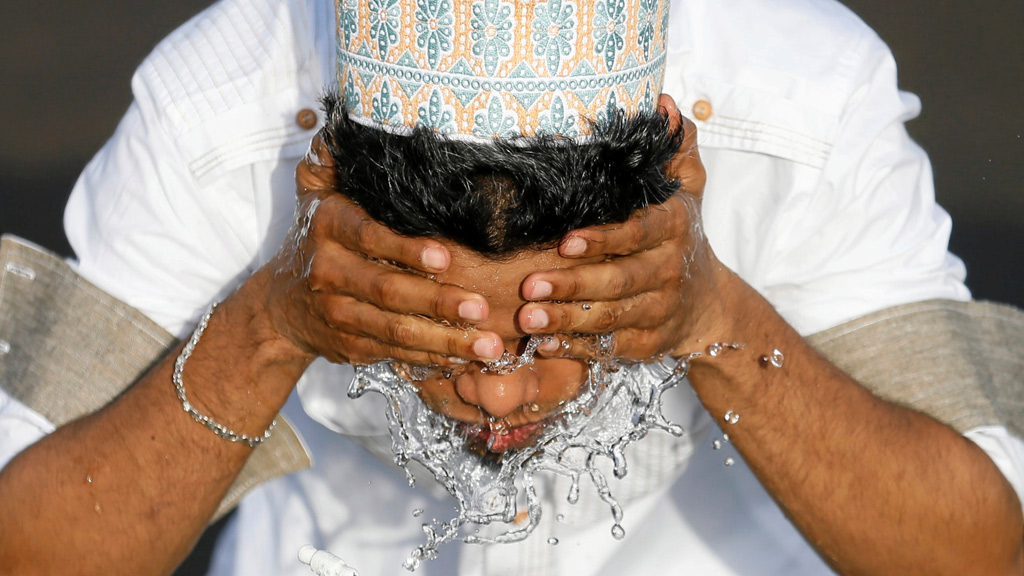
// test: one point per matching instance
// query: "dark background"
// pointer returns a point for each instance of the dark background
(65, 67)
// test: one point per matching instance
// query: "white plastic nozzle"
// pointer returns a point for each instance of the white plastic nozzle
(323, 563)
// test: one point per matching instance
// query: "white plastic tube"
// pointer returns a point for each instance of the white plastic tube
(323, 563)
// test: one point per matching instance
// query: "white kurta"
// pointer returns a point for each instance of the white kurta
(816, 196)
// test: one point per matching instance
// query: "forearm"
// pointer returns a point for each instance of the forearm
(130, 488)
(876, 488)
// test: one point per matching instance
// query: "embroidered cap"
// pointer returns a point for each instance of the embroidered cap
(485, 69)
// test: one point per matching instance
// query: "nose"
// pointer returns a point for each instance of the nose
(499, 394)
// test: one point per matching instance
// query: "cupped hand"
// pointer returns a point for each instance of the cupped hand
(653, 283)
(349, 289)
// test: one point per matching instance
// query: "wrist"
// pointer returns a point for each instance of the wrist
(243, 370)
(722, 312)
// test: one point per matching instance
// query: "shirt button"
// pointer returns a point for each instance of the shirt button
(306, 119)
(702, 109)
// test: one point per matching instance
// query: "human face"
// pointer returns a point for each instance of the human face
(508, 409)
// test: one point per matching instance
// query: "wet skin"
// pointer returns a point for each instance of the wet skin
(519, 401)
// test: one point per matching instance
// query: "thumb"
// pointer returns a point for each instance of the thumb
(315, 172)
(685, 165)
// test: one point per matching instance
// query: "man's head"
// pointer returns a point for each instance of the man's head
(499, 152)
(501, 207)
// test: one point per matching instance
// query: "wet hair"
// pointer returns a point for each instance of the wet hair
(502, 197)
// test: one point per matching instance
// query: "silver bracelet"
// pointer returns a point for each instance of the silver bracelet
(218, 429)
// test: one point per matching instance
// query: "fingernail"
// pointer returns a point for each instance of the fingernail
(541, 289)
(486, 348)
(433, 258)
(536, 319)
(471, 310)
(459, 361)
(574, 246)
(550, 344)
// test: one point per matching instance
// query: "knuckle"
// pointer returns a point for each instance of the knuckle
(574, 286)
(316, 275)
(636, 232)
(336, 315)
(454, 348)
(608, 319)
(388, 290)
(620, 283)
(400, 332)
(365, 233)
(442, 302)
(665, 276)
(437, 305)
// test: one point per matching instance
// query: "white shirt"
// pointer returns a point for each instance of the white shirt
(816, 196)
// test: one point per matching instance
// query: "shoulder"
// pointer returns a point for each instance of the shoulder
(230, 81)
(778, 74)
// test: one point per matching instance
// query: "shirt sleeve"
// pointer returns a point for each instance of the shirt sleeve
(20, 427)
(869, 235)
(1006, 451)
(146, 232)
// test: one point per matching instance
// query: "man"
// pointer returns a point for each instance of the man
(142, 477)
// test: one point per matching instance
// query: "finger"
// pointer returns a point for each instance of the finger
(686, 165)
(646, 311)
(614, 279)
(338, 271)
(638, 233)
(315, 172)
(407, 335)
(372, 351)
(348, 224)
(632, 345)
(645, 229)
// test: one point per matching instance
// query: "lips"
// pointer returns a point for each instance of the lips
(501, 442)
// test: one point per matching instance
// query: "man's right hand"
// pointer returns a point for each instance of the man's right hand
(346, 287)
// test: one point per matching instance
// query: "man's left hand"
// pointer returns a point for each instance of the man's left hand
(651, 286)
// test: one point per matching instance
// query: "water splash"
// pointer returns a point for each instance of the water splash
(617, 405)
(509, 362)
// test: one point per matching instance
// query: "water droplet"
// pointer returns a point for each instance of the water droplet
(714, 350)
(588, 306)
(560, 518)
(731, 417)
(88, 479)
(777, 358)
(553, 541)
(729, 461)
(574, 491)
(417, 513)
(725, 437)
(618, 532)
(716, 445)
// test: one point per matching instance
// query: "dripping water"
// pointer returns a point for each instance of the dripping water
(617, 405)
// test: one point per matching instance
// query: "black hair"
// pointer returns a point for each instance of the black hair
(501, 197)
